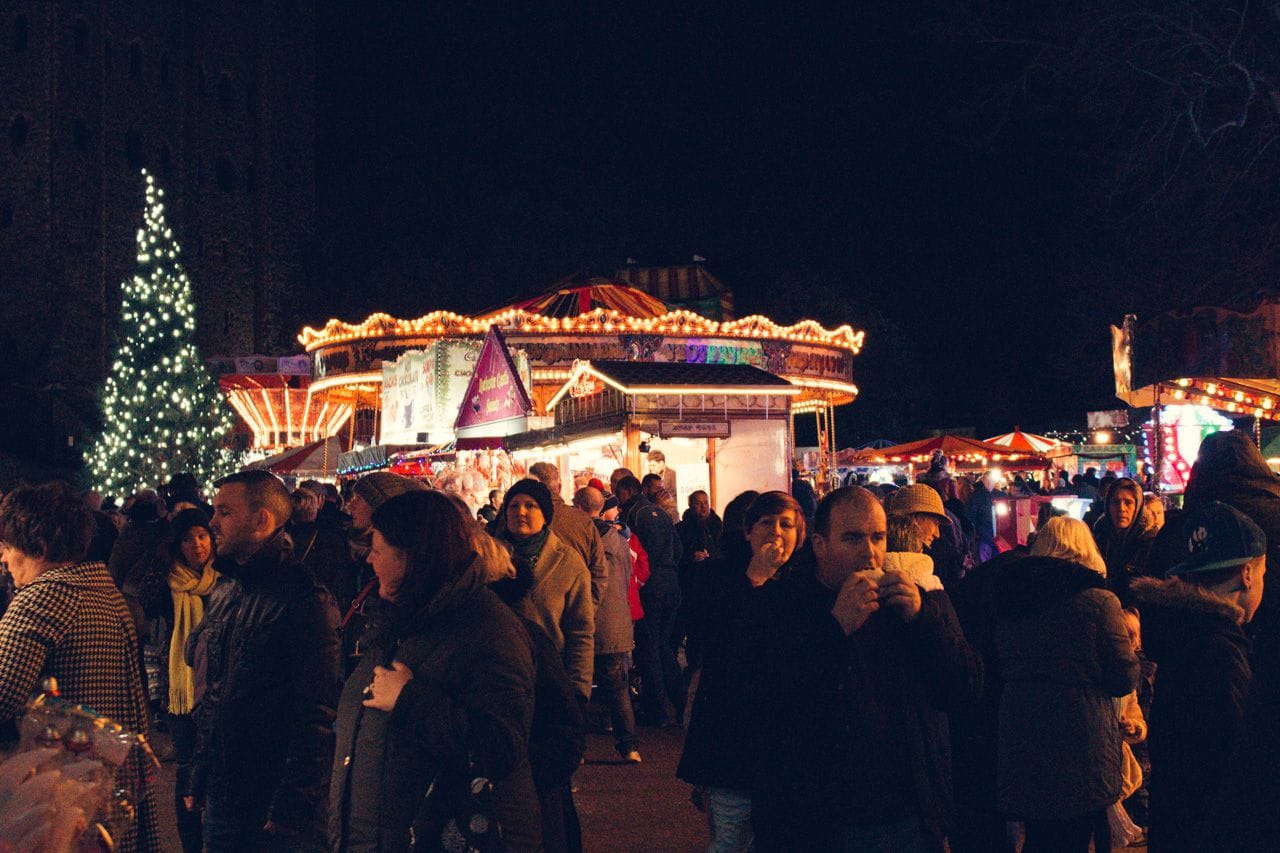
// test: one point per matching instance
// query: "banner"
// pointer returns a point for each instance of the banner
(495, 391)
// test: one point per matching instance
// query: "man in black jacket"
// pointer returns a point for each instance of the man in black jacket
(262, 761)
(847, 667)
(660, 596)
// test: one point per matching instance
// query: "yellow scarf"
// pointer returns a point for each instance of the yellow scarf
(188, 609)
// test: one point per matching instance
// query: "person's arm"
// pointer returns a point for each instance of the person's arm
(312, 654)
(1116, 660)
(951, 667)
(577, 623)
(598, 565)
(36, 621)
(487, 717)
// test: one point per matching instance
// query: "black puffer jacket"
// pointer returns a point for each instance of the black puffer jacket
(1064, 654)
(470, 701)
(1201, 687)
(266, 722)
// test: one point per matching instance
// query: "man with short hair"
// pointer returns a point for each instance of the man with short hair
(614, 633)
(489, 511)
(573, 527)
(663, 683)
(1193, 629)
(847, 665)
(261, 768)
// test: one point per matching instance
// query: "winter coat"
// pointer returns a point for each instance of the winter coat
(470, 702)
(720, 721)
(576, 529)
(266, 722)
(71, 623)
(657, 535)
(614, 631)
(1124, 551)
(1202, 682)
(139, 545)
(1064, 654)
(560, 603)
(809, 686)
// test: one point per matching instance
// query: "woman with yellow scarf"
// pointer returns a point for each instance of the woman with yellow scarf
(191, 581)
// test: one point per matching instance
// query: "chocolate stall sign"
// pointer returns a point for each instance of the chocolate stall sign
(693, 429)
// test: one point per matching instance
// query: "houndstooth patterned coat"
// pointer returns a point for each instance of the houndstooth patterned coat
(72, 623)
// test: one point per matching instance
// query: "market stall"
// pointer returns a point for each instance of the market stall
(964, 453)
(721, 428)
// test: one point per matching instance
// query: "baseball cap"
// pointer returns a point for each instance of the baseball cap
(1216, 536)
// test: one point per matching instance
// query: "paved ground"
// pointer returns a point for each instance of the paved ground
(631, 807)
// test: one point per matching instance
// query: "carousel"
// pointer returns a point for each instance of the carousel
(406, 381)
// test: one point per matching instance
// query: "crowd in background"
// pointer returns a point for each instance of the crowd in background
(386, 669)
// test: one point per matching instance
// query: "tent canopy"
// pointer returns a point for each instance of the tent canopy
(317, 459)
(957, 448)
(1028, 442)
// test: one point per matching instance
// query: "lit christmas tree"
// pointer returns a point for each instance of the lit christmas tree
(162, 413)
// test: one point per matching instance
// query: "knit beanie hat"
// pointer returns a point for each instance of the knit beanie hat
(534, 489)
(181, 523)
(376, 488)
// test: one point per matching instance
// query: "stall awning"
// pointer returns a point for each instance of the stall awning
(565, 433)
(317, 459)
(955, 447)
(660, 377)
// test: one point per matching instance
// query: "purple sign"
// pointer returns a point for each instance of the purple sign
(495, 392)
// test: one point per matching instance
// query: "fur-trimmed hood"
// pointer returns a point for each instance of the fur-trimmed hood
(1177, 614)
(1176, 594)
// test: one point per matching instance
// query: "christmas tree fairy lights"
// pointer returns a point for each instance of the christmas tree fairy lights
(162, 413)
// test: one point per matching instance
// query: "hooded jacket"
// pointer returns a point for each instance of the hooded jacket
(1125, 551)
(470, 702)
(266, 722)
(1064, 653)
(1200, 648)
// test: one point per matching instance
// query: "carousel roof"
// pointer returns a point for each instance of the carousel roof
(577, 295)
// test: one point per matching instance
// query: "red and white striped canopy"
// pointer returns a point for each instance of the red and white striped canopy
(1026, 442)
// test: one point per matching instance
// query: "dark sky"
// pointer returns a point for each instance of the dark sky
(468, 154)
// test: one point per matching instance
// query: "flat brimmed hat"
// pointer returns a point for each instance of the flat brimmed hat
(1216, 536)
(918, 499)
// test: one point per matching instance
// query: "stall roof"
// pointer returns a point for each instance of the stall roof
(661, 377)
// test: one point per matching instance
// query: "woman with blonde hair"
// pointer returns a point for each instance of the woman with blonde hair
(1064, 657)
(1069, 539)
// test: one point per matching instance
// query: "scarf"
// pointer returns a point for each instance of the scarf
(187, 590)
(524, 556)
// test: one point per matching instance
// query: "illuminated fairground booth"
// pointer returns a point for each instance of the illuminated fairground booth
(1198, 369)
(407, 380)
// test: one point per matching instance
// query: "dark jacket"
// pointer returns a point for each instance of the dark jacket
(713, 748)
(1124, 551)
(657, 535)
(817, 692)
(266, 722)
(1064, 654)
(1202, 683)
(470, 700)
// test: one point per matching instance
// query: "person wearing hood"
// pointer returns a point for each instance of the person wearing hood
(1064, 655)
(1193, 628)
(555, 585)
(261, 767)
(1124, 535)
(445, 695)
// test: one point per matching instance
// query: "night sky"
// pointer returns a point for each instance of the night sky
(967, 186)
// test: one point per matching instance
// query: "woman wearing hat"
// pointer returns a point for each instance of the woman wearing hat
(552, 583)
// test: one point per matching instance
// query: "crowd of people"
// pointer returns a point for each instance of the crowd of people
(386, 670)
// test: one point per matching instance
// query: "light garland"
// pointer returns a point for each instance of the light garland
(161, 411)
(601, 321)
(1228, 396)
